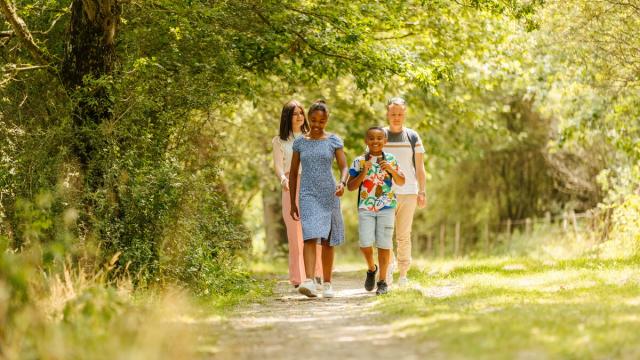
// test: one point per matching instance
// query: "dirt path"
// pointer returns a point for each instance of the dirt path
(291, 326)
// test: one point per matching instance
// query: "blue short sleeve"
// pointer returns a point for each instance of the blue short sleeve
(336, 142)
(297, 143)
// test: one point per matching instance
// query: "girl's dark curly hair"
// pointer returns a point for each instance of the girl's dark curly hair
(319, 105)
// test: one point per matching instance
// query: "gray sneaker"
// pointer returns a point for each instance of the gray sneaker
(382, 288)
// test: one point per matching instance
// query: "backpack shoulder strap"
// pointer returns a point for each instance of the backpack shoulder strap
(413, 139)
(367, 156)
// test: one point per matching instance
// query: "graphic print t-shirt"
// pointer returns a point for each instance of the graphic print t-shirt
(376, 190)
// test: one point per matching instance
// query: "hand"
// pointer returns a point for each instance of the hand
(386, 166)
(422, 200)
(367, 166)
(295, 215)
(285, 185)
(339, 189)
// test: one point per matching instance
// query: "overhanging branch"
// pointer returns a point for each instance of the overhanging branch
(303, 39)
(13, 68)
(22, 32)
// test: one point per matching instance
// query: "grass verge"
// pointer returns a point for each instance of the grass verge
(503, 308)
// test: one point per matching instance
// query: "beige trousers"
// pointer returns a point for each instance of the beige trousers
(404, 220)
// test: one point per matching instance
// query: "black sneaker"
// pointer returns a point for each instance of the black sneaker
(382, 288)
(371, 279)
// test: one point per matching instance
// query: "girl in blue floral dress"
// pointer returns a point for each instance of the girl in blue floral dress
(319, 195)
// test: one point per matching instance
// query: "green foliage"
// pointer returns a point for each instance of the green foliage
(93, 308)
(130, 173)
(624, 237)
(520, 109)
(14, 287)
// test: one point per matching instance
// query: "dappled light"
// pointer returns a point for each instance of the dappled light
(451, 179)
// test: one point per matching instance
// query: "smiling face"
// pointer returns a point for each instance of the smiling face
(395, 115)
(318, 121)
(375, 140)
(297, 119)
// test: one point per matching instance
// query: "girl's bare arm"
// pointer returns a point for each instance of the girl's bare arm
(293, 184)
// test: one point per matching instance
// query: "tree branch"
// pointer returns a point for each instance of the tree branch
(302, 38)
(395, 37)
(13, 68)
(10, 72)
(22, 32)
(52, 25)
(340, 25)
(630, 4)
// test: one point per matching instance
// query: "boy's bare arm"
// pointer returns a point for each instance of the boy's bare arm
(354, 182)
(397, 176)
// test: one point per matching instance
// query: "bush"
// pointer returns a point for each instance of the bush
(624, 237)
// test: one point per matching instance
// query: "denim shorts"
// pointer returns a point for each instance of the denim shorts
(376, 228)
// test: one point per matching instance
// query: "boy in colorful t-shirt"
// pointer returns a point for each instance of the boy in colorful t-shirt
(373, 174)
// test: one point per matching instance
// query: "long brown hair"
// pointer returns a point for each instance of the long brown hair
(286, 118)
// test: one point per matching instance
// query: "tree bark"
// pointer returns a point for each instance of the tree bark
(90, 48)
(275, 232)
(90, 55)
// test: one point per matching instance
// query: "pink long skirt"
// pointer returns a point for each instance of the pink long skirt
(294, 236)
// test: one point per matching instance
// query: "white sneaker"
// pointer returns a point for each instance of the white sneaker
(327, 291)
(403, 281)
(390, 269)
(308, 288)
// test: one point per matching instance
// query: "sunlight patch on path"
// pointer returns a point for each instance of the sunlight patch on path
(438, 292)
(292, 326)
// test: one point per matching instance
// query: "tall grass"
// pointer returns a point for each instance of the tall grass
(76, 315)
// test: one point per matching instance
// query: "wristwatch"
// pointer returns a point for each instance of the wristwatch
(344, 183)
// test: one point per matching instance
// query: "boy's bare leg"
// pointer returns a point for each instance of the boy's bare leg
(368, 255)
(383, 258)
(327, 261)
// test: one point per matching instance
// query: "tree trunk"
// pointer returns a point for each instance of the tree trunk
(88, 64)
(275, 231)
(90, 48)
(90, 55)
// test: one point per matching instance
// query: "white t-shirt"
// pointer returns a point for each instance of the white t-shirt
(399, 145)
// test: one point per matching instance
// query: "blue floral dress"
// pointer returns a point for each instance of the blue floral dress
(319, 206)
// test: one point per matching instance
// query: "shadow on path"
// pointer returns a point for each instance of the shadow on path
(292, 326)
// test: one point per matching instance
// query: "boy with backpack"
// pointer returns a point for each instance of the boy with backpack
(374, 174)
